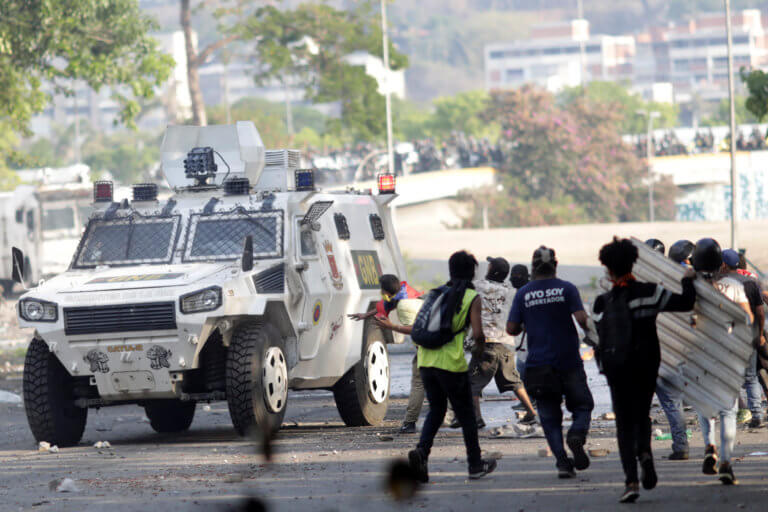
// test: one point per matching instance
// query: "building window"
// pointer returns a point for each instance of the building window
(513, 75)
(498, 54)
(593, 48)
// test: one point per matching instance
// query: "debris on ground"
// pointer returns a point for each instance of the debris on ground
(65, 485)
(234, 478)
(757, 454)
(102, 444)
(46, 447)
(609, 416)
(598, 452)
(517, 431)
(207, 408)
(545, 452)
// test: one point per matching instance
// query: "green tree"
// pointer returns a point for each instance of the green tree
(462, 112)
(617, 97)
(756, 103)
(310, 44)
(565, 163)
(129, 157)
(104, 43)
(722, 113)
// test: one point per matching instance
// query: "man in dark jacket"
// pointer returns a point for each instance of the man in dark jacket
(633, 383)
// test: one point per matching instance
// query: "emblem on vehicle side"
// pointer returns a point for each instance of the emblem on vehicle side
(159, 357)
(98, 361)
(317, 312)
(336, 279)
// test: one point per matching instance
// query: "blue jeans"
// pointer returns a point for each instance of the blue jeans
(727, 431)
(671, 400)
(753, 389)
(520, 365)
(578, 400)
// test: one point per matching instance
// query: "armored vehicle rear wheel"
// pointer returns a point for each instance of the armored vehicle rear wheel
(49, 398)
(362, 394)
(257, 378)
(170, 415)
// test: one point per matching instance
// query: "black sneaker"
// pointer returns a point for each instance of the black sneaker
(631, 493)
(726, 474)
(480, 423)
(580, 458)
(648, 472)
(755, 422)
(418, 463)
(709, 466)
(565, 469)
(678, 456)
(528, 419)
(487, 466)
(408, 427)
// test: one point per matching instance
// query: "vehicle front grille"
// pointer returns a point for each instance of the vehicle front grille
(120, 318)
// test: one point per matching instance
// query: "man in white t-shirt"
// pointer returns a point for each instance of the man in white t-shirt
(494, 358)
(707, 258)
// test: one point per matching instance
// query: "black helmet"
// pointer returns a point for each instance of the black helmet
(655, 244)
(707, 256)
(681, 251)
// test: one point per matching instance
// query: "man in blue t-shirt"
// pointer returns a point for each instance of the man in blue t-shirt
(545, 308)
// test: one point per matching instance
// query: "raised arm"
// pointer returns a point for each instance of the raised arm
(669, 301)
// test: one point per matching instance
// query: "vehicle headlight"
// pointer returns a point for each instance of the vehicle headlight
(34, 310)
(203, 300)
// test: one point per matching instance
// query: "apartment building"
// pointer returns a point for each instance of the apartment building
(557, 56)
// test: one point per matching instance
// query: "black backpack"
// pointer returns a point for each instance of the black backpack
(432, 327)
(614, 331)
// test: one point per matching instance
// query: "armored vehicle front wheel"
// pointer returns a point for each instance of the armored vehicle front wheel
(257, 378)
(170, 415)
(49, 398)
(362, 394)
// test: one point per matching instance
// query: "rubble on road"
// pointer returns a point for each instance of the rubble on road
(46, 447)
(65, 485)
(102, 444)
(517, 431)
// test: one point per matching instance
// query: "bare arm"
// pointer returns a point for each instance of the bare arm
(384, 323)
(476, 321)
(514, 328)
(362, 316)
(582, 318)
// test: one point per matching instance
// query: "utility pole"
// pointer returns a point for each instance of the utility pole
(649, 150)
(734, 175)
(387, 92)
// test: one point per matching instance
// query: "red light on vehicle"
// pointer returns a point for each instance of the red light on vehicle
(386, 183)
(102, 192)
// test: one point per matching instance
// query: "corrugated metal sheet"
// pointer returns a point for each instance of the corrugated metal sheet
(709, 347)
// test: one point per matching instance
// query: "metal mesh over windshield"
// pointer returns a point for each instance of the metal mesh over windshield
(128, 241)
(220, 236)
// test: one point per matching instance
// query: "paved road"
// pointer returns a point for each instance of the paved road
(319, 465)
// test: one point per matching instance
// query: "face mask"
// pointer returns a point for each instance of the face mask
(519, 281)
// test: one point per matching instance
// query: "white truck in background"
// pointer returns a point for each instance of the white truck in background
(65, 202)
(20, 227)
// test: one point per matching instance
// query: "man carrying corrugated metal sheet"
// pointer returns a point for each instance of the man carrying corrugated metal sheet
(708, 258)
(630, 355)
(731, 263)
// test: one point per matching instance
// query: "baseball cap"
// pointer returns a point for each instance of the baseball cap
(498, 268)
(731, 258)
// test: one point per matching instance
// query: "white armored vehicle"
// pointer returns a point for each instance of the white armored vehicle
(236, 288)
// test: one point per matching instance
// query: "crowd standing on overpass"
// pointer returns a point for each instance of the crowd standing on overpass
(542, 316)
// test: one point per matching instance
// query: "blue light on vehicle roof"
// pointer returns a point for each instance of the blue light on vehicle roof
(305, 179)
